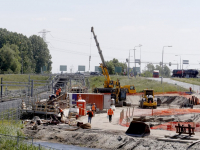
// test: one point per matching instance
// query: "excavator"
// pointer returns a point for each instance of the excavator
(117, 91)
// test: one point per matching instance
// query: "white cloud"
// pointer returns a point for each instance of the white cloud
(65, 19)
(39, 19)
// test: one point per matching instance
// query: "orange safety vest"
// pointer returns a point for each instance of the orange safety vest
(110, 112)
(60, 110)
(57, 92)
(90, 111)
(59, 89)
(93, 107)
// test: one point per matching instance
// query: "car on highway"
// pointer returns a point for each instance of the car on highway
(95, 74)
(79, 73)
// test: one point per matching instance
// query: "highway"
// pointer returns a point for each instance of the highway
(195, 88)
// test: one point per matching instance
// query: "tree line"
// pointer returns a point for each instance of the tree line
(19, 53)
(150, 68)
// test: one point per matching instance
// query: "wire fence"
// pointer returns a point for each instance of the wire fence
(21, 142)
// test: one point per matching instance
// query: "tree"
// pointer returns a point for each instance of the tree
(41, 53)
(9, 58)
(115, 63)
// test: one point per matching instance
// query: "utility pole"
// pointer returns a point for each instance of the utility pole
(44, 32)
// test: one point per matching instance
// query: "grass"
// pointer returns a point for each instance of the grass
(10, 143)
(140, 84)
(21, 78)
(195, 81)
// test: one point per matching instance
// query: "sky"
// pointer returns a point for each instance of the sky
(120, 26)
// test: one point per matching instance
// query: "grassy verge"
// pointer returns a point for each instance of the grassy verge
(140, 84)
(195, 81)
(10, 143)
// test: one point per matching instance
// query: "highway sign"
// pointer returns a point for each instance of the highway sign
(185, 61)
(63, 68)
(81, 68)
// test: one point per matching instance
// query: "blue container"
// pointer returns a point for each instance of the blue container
(74, 98)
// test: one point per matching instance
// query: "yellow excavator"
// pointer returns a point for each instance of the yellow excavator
(119, 92)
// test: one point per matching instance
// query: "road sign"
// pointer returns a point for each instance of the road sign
(44, 68)
(63, 68)
(118, 69)
(81, 68)
(137, 69)
(185, 61)
(137, 61)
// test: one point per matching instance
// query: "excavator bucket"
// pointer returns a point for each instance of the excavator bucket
(138, 129)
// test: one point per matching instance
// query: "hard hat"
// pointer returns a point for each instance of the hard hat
(113, 99)
(110, 106)
(94, 103)
(90, 109)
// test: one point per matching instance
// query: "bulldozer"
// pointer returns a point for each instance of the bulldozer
(148, 99)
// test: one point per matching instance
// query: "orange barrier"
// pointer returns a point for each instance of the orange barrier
(164, 112)
(170, 126)
(126, 116)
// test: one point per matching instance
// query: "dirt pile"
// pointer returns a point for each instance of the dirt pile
(173, 100)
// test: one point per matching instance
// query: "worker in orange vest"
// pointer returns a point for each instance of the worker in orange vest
(60, 111)
(110, 113)
(90, 115)
(59, 90)
(94, 108)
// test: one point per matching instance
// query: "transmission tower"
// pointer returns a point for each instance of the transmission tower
(44, 32)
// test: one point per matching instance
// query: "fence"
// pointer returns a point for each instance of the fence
(20, 142)
(26, 88)
(127, 116)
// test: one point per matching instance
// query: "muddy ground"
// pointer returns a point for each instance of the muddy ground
(110, 136)
(102, 139)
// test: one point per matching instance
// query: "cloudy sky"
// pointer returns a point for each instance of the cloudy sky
(120, 25)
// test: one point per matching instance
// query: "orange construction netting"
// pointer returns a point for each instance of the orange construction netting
(170, 126)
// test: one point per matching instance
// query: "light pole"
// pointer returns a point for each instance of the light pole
(134, 57)
(129, 62)
(140, 57)
(162, 62)
(180, 60)
(177, 63)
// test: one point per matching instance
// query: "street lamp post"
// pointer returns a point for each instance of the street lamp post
(140, 57)
(180, 60)
(162, 63)
(129, 62)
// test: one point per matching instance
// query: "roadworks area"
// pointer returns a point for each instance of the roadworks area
(109, 136)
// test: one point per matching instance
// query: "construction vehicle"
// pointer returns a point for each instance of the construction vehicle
(148, 99)
(119, 92)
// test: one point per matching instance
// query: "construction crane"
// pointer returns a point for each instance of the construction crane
(119, 92)
(108, 83)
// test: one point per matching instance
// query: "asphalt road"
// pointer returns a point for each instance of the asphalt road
(195, 88)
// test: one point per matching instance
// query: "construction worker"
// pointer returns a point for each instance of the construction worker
(110, 113)
(190, 89)
(51, 97)
(59, 91)
(94, 108)
(90, 115)
(61, 112)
